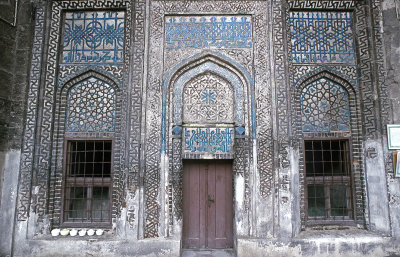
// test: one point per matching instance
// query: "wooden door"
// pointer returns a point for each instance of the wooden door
(207, 204)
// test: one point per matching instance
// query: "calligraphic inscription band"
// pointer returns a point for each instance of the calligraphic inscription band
(208, 140)
(208, 32)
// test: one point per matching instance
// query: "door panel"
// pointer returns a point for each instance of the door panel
(211, 205)
(193, 202)
(223, 205)
(208, 204)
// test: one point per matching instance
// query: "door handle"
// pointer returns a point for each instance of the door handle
(209, 201)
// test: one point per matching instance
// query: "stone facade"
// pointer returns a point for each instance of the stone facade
(169, 81)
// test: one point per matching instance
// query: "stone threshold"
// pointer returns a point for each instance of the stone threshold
(208, 253)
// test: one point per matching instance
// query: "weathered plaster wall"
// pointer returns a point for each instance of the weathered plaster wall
(349, 243)
(15, 45)
(98, 247)
(377, 207)
(391, 33)
(10, 169)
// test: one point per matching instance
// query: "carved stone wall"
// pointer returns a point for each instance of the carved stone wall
(91, 44)
(358, 55)
(213, 50)
(244, 80)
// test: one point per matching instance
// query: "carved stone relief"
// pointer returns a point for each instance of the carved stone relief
(208, 98)
(28, 152)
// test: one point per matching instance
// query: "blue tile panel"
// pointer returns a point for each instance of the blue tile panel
(321, 37)
(208, 32)
(324, 107)
(91, 106)
(208, 140)
(93, 37)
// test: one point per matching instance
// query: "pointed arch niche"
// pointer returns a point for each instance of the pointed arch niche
(206, 77)
(207, 91)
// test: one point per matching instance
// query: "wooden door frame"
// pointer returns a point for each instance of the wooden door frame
(228, 162)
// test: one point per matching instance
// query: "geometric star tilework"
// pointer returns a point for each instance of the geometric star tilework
(93, 37)
(91, 107)
(321, 37)
(208, 99)
(324, 107)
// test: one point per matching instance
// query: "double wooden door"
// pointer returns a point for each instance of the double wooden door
(207, 204)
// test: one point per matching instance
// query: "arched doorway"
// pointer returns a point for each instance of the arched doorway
(207, 119)
(205, 113)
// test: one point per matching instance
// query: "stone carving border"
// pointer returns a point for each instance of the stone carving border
(322, 4)
(385, 108)
(366, 72)
(28, 147)
(282, 121)
(135, 77)
(73, 70)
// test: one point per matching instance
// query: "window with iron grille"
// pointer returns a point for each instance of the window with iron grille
(88, 187)
(328, 181)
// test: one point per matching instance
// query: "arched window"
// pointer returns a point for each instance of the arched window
(90, 110)
(325, 112)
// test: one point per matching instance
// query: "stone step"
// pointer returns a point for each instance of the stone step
(208, 253)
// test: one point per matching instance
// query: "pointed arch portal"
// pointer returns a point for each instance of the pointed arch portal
(208, 96)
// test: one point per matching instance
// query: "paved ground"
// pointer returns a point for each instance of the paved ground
(208, 253)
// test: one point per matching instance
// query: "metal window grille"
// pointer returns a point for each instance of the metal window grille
(88, 172)
(328, 181)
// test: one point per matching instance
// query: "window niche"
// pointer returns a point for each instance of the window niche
(89, 119)
(328, 134)
(324, 62)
